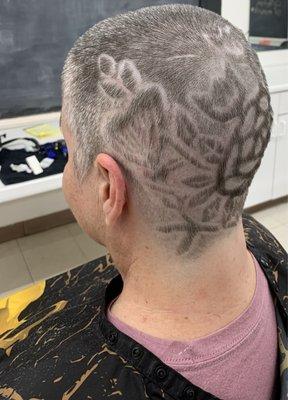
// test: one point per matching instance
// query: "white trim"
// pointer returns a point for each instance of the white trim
(16, 122)
(270, 58)
(30, 188)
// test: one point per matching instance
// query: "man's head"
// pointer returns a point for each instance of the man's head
(167, 115)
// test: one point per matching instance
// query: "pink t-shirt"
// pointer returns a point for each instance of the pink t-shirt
(236, 362)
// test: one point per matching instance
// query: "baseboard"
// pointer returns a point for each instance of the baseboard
(35, 225)
(266, 204)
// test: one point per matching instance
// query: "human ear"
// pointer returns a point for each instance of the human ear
(113, 189)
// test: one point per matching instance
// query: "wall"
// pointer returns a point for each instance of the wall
(237, 12)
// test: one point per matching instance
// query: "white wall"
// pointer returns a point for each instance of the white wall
(237, 12)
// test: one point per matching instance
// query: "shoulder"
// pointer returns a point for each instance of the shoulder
(55, 344)
(35, 320)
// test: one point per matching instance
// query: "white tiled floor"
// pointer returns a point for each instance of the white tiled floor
(49, 253)
(43, 255)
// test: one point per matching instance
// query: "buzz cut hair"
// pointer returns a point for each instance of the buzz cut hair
(177, 96)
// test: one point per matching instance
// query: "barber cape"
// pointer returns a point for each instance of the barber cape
(56, 342)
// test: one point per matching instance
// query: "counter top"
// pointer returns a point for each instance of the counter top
(277, 77)
(34, 186)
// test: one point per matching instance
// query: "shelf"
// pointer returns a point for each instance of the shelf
(40, 185)
(30, 188)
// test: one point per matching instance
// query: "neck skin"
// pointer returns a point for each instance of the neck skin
(184, 302)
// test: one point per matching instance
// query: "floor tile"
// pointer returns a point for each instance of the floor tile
(89, 247)
(13, 269)
(50, 253)
(281, 234)
(74, 229)
(280, 212)
(268, 218)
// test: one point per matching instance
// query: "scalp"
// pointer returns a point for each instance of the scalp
(178, 97)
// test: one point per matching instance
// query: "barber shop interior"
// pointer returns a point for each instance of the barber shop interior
(143, 199)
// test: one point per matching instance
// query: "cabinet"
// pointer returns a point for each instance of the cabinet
(271, 179)
(280, 181)
(261, 188)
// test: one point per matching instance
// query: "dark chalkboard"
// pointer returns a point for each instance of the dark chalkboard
(35, 36)
(212, 5)
(268, 18)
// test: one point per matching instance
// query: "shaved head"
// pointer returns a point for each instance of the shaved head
(176, 95)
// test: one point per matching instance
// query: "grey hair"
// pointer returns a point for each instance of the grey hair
(177, 96)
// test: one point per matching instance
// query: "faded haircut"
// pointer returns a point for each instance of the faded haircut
(177, 96)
